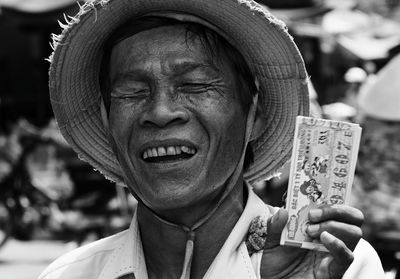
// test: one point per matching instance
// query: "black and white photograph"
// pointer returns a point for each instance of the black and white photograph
(185, 139)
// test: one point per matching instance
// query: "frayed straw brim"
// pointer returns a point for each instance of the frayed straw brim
(262, 39)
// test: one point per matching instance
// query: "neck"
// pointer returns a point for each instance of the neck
(164, 243)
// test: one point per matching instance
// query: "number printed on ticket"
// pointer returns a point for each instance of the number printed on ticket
(322, 171)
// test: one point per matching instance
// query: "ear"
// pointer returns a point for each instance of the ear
(259, 122)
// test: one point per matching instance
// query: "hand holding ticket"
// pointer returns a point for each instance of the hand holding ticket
(322, 170)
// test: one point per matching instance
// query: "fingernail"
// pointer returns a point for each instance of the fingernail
(313, 229)
(315, 214)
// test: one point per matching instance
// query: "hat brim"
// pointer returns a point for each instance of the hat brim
(269, 50)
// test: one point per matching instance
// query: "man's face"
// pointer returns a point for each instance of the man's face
(175, 118)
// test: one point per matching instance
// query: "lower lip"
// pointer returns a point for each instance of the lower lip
(170, 163)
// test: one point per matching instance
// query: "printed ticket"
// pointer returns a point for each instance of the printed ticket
(322, 171)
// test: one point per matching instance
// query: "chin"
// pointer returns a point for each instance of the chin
(174, 196)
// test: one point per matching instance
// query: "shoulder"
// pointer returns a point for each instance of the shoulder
(366, 263)
(86, 261)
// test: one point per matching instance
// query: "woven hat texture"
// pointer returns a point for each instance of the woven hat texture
(263, 40)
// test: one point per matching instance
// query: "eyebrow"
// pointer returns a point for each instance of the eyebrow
(189, 66)
(179, 68)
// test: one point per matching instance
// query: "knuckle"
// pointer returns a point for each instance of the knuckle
(357, 230)
(352, 231)
(330, 226)
(335, 210)
(339, 243)
(358, 233)
(360, 216)
(349, 258)
(350, 213)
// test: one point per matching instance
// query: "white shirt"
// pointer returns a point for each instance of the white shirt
(122, 254)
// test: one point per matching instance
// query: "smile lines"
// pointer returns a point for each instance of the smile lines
(167, 151)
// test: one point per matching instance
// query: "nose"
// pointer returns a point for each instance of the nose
(163, 110)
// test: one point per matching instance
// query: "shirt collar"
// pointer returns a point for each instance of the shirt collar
(233, 260)
(128, 257)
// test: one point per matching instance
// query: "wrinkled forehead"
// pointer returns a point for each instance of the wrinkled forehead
(171, 46)
(188, 32)
(183, 33)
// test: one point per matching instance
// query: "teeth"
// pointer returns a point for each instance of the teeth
(161, 151)
(188, 150)
(168, 150)
(171, 150)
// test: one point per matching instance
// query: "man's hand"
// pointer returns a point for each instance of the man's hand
(338, 228)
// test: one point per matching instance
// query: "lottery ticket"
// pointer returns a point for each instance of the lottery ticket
(322, 171)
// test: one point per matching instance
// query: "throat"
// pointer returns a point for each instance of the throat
(165, 243)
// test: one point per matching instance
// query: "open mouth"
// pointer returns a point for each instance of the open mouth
(163, 154)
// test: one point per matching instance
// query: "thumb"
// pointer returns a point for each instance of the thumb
(275, 225)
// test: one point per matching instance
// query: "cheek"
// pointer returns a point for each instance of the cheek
(121, 119)
(234, 135)
(228, 127)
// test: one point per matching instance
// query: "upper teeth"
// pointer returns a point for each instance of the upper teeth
(167, 150)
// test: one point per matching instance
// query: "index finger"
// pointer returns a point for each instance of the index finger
(341, 213)
(341, 254)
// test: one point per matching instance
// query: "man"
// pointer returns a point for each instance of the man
(187, 103)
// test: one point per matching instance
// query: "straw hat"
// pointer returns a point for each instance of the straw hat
(263, 41)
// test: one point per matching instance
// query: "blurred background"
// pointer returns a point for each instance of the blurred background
(51, 202)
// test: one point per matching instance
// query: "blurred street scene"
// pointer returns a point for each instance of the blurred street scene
(26, 259)
(52, 202)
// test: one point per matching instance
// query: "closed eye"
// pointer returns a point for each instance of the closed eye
(126, 87)
(129, 93)
(194, 88)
